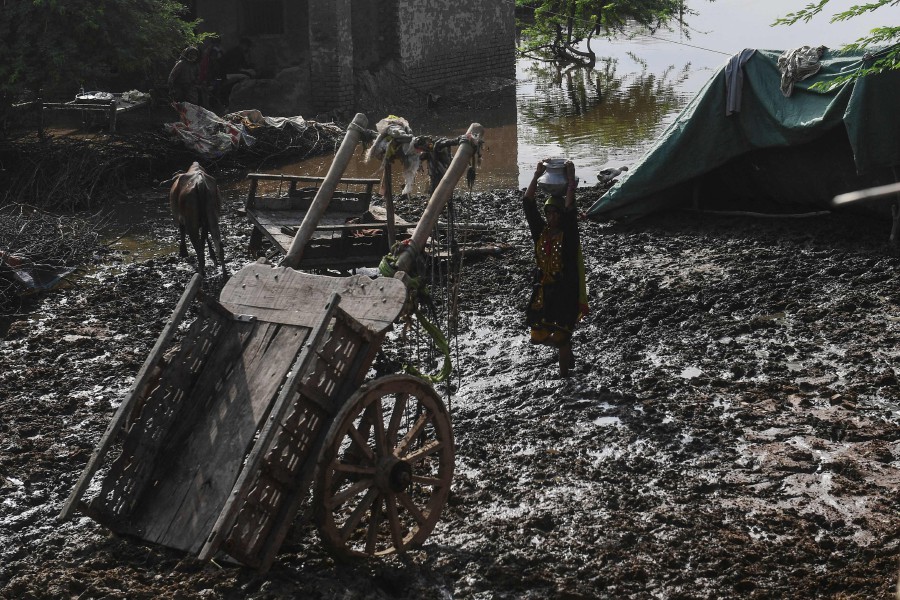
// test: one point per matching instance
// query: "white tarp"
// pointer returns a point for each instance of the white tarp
(255, 117)
(206, 133)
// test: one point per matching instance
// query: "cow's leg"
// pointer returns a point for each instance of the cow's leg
(254, 247)
(191, 219)
(198, 244)
(182, 246)
(212, 251)
(216, 239)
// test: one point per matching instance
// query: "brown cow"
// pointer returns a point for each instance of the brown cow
(195, 203)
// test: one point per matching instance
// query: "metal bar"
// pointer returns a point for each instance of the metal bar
(125, 407)
(326, 190)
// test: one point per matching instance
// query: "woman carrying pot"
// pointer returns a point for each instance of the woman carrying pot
(559, 298)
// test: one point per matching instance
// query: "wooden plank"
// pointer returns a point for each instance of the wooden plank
(93, 107)
(356, 226)
(348, 203)
(309, 178)
(194, 481)
(125, 407)
(225, 518)
(288, 296)
(164, 412)
(380, 214)
(279, 218)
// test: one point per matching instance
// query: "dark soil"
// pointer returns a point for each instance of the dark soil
(731, 429)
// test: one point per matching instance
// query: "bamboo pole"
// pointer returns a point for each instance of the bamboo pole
(326, 191)
(881, 191)
(440, 197)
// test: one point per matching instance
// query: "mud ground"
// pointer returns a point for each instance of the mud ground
(731, 430)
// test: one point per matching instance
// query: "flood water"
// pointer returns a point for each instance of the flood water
(609, 115)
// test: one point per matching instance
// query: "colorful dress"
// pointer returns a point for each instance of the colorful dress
(559, 297)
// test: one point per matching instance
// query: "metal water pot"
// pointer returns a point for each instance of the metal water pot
(554, 181)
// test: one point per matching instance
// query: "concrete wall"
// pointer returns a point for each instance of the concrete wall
(448, 41)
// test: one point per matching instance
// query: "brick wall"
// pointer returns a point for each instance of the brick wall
(443, 42)
(331, 54)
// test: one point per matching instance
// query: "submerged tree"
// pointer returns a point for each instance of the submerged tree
(560, 26)
(889, 35)
(62, 45)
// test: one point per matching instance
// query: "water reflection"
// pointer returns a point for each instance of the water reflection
(594, 115)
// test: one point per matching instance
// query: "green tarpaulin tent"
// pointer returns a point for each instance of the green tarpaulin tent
(777, 152)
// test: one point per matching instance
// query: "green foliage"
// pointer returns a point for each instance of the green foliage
(887, 37)
(60, 45)
(561, 25)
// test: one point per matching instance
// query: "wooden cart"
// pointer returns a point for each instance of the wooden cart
(350, 234)
(263, 407)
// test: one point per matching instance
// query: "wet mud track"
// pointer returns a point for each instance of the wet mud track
(730, 430)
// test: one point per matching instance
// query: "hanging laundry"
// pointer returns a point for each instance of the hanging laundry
(798, 64)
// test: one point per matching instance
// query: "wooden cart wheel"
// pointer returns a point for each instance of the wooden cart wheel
(385, 470)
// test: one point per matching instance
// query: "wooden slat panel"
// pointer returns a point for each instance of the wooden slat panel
(134, 397)
(290, 457)
(233, 397)
(287, 296)
(124, 483)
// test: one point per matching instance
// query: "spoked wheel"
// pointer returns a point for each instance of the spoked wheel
(385, 469)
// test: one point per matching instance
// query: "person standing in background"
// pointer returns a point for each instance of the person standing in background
(184, 79)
